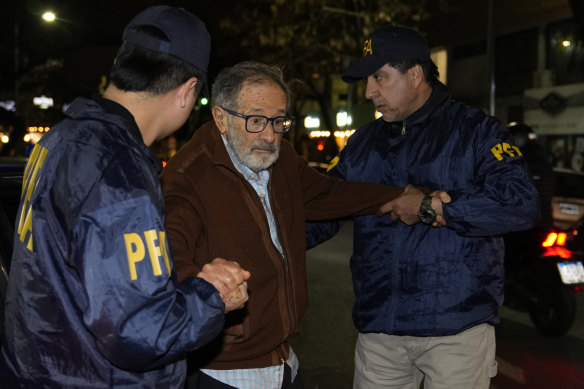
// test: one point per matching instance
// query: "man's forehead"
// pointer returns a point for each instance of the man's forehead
(256, 95)
(259, 83)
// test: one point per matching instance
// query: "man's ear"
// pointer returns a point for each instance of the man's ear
(187, 90)
(220, 117)
(416, 74)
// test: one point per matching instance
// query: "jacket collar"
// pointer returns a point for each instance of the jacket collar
(436, 100)
(119, 110)
(117, 115)
(214, 144)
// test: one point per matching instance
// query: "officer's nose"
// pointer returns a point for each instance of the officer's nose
(371, 89)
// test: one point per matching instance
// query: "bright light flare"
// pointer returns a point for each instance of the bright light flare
(555, 238)
(49, 17)
(311, 122)
(550, 240)
(344, 119)
(554, 244)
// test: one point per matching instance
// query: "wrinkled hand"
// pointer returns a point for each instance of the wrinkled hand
(230, 281)
(406, 206)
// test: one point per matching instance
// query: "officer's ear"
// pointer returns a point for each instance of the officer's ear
(185, 91)
(220, 118)
(416, 75)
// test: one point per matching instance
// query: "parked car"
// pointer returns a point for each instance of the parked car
(568, 200)
(11, 173)
(568, 206)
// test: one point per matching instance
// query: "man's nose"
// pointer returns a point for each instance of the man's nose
(268, 133)
(371, 89)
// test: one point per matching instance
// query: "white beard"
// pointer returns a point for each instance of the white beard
(246, 156)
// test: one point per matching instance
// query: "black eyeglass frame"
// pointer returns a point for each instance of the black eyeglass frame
(268, 120)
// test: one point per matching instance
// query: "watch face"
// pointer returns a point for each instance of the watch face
(427, 216)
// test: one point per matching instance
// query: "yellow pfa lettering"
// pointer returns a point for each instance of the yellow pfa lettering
(332, 163)
(26, 229)
(153, 250)
(155, 242)
(162, 240)
(135, 252)
(506, 148)
(497, 151)
(30, 182)
(367, 50)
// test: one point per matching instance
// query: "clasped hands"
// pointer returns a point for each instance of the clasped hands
(405, 207)
(229, 279)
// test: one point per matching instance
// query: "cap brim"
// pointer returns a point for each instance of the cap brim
(366, 66)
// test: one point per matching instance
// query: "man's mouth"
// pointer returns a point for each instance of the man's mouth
(266, 148)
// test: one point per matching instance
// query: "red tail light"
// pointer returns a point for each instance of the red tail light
(555, 239)
(561, 241)
(554, 244)
(557, 251)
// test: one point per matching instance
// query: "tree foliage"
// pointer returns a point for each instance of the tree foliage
(313, 40)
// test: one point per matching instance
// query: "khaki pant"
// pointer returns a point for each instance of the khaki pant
(462, 361)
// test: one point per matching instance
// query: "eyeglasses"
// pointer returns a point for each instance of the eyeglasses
(257, 123)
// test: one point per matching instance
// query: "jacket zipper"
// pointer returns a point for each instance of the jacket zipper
(401, 167)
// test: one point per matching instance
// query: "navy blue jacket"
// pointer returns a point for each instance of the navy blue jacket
(424, 281)
(93, 300)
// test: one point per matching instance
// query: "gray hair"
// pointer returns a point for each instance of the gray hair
(228, 84)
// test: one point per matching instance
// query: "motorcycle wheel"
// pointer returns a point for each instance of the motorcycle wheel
(554, 310)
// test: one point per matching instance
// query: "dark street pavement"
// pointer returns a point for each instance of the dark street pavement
(326, 345)
(327, 342)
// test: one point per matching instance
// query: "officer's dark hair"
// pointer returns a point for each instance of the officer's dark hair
(428, 67)
(137, 69)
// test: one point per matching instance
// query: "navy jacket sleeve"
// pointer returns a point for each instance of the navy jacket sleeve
(128, 296)
(319, 232)
(140, 317)
(502, 197)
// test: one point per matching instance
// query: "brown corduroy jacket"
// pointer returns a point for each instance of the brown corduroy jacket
(212, 211)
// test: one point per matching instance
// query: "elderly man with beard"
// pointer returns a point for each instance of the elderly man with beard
(236, 191)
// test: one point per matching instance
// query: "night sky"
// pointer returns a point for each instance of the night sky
(86, 34)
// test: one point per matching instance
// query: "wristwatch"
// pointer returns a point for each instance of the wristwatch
(426, 214)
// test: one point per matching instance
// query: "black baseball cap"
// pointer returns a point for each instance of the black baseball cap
(188, 38)
(385, 44)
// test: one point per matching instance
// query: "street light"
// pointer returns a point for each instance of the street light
(49, 17)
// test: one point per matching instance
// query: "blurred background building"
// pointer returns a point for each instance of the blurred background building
(521, 60)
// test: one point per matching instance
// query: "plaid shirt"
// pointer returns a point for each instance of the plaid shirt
(271, 376)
